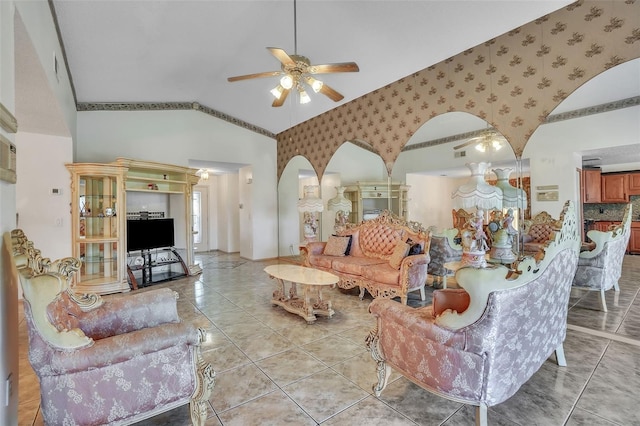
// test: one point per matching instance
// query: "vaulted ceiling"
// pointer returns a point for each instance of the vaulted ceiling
(184, 51)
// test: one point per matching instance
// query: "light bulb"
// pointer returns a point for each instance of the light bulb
(316, 85)
(286, 81)
(480, 147)
(304, 97)
(277, 91)
(496, 145)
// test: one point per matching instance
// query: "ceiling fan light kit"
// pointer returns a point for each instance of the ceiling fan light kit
(296, 70)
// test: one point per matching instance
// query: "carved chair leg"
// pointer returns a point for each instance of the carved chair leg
(382, 369)
(604, 301)
(481, 415)
(205, 380)
(361, 293)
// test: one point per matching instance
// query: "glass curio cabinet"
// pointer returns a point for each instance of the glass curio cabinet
(98, 222)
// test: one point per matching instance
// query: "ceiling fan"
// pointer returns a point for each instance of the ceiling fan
(297, 73)
(488, 140)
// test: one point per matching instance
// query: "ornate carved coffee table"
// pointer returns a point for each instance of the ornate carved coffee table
(312, 282)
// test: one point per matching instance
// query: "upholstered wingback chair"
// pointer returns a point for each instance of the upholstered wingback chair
(600, 269)
(125, 360)
(443, 249)
(482, 355)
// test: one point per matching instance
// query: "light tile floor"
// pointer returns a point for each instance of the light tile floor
(275, 369)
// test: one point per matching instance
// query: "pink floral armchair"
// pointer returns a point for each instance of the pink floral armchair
(117, 361)
(600, 269)
(484, 353)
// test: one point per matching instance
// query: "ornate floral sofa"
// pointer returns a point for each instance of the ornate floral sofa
(538, 230)
(114, 360)
(482, 353)
(600, 269)
(379, 258)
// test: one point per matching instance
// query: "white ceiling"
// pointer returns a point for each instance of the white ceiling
(183, 51)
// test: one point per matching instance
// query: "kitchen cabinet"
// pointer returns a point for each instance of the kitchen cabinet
(591, 186)
(634, 184)
(614, 188)
(634, 239)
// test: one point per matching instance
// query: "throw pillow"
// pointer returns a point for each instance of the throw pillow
(399, 253)
(456, 299)
(336, 246)
(416, 248)
(346, 252)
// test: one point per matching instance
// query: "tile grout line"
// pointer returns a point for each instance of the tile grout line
(604, 334)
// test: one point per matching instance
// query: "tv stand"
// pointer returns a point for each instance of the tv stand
(150, 266)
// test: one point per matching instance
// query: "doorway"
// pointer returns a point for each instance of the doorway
(200, 202)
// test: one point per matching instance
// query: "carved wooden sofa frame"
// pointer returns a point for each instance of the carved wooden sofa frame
(367, 266)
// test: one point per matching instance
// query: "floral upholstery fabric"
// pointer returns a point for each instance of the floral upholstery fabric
(336, 246)
(141, 360)
(440, 253)
(367, 265)
(487, 361)
(602, 271)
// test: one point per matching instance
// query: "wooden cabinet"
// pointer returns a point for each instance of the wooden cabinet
(634, 239)
(369, 198)
(634, 184)
(591, 186)
(99, 214)
(602, 225)
(614, 188)
(98, 227)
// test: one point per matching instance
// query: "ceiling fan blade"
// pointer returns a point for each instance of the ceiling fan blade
(256, 75)
(330, 68)
(331, 93)
(467, 143)
(279, 101)
(281, 55)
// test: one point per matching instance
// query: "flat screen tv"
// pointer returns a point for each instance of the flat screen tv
(149, 234)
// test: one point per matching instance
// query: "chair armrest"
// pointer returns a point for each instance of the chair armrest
(413, 270)
(66, 266)
(316, 247)
(129, 312)
(120, 348)
(418, 321)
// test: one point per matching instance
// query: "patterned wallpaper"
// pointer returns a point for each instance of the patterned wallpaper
(512, 81)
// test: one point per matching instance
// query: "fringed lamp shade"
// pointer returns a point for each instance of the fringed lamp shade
(310, 202)
(477, 192)
(339, 202)
(512, 197)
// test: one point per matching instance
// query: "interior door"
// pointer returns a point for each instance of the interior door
(200, 218)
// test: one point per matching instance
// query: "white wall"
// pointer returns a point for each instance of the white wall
(246, 213)
(176, 136)
(553, 147)
(228, 213)
(8, 288)
(45, 218)
(430, 200)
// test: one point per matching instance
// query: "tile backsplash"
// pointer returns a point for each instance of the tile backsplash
(611, 211)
